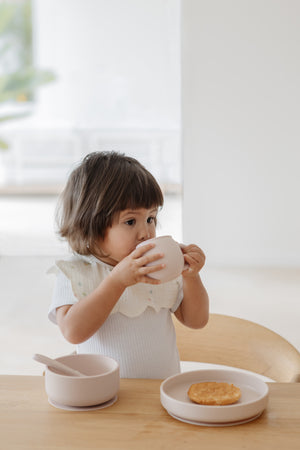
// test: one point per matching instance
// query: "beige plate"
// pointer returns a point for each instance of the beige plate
(254, 398)
(221, 424)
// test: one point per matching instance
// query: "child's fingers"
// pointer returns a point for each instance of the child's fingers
(193, 264)
(192, 248)
(140, 251)
(147, 259)
(142, 258)
(146, 270)
(195, 253)
(189, 258)
(187, 248)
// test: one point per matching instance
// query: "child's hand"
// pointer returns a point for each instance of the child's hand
(132, 269)
(194, 257)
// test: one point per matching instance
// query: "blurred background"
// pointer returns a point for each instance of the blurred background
(204, 93)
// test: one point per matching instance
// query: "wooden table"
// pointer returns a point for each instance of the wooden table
(136, 421)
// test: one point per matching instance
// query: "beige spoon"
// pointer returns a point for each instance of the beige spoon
(66, 370)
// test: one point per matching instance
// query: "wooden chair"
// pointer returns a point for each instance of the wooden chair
(240, 343)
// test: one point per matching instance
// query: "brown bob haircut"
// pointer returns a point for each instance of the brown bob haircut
(103, 184)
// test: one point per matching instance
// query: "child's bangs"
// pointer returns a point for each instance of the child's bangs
(142, 192)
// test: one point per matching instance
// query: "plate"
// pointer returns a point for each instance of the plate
(253, 401)
(187, 366)
(212, 424)
(83, 408)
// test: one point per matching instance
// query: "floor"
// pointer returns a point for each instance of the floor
(28, 247)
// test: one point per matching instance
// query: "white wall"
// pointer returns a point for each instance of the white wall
(240, 125)
(117, 63)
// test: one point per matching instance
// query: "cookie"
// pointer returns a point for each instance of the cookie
(214, 393)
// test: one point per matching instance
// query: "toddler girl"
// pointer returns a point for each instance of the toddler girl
(104, 300)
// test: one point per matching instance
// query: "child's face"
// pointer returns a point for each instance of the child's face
(129, 228)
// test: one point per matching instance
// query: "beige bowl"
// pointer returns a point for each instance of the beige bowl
(100, 384)
(173, 258)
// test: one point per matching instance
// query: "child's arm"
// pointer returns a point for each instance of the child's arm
(194, 308)
(80, 321)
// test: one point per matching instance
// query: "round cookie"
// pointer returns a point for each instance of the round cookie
(214, 393)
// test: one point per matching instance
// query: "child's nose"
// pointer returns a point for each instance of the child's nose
(144, 233)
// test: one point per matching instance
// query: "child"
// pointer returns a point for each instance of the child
(104, 299)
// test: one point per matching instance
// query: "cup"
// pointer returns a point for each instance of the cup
(173, 258)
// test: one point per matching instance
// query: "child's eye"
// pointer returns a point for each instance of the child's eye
(130, 222)
(151, 219)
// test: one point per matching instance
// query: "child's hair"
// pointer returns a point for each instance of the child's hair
(103, 184)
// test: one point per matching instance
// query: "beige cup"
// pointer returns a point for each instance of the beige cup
(173, 258)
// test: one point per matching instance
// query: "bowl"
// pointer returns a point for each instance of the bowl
(173, 258)
(99, 385)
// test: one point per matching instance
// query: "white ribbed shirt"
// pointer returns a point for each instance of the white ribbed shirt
(144, 343)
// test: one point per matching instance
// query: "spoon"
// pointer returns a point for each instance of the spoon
(66, 370)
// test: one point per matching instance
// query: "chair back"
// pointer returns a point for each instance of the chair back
(236, 342)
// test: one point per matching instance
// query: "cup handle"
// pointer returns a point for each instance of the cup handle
(186, 266)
